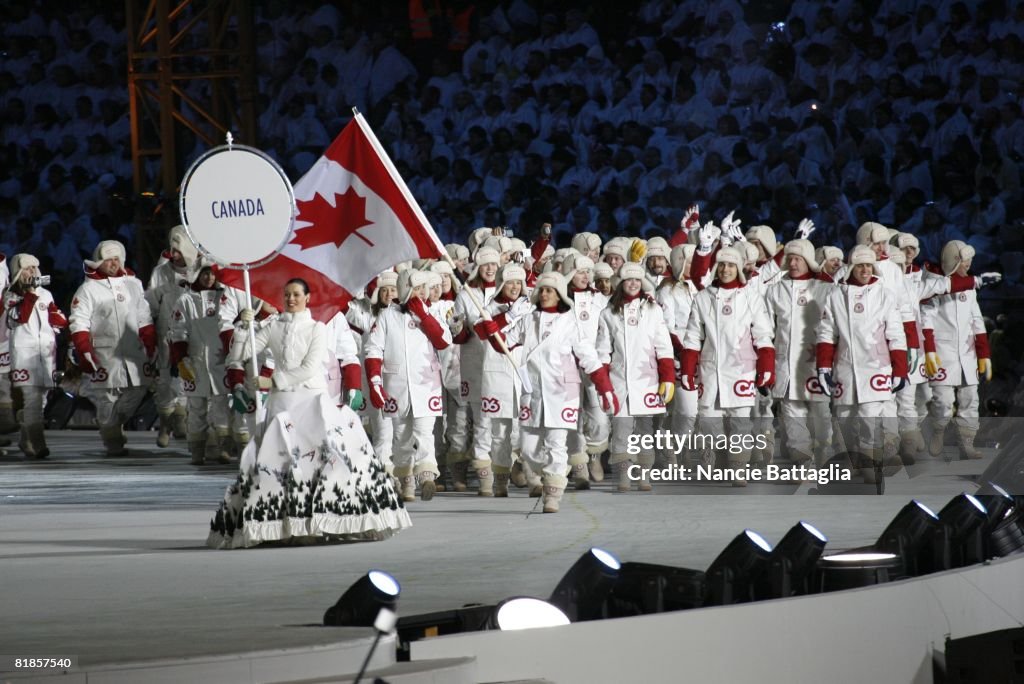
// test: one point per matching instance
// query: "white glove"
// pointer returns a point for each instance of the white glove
(731, 228)
(707, 236)
(519, 308)
(247, 316)
(988, 278)
(691, 219)
(804, 230)
(825, 381)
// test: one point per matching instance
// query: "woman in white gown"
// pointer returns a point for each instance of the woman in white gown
(312, 474)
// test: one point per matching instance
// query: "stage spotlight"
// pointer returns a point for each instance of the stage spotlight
(909, 534)
(964, 517)
(733, 575)
(997, 504)
(582, 590)
(793, 561)
(359, 605)
(851, 570)
(1006, 537)
(526, 613)
(646, 588)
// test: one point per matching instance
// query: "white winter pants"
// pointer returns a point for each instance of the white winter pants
(33, 399)
(115, 405)
(481, 437)
(907, 408)
(414, 444)
(382, 430)
(5, 390)
(716, 420)
(496, 443)
(207, 413)
(862, 424)
(544, 450)
(457, 425)
(966, 400)
(622, 428)
(804, 422)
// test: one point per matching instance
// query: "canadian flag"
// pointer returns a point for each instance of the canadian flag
(356, 218)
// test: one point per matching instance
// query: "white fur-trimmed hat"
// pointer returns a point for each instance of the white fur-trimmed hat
(409, 280)
(553, 280)
(871, 232)
(803, 248)
(21, 262)
(603, 270)
(823, 254)
(954, 253)
(679, 257)
(658, 246)
(749, 251)
(617, 246)
(484, 255)
(178, 239)
(433, 279)
(584, 242)
(477, 238)
(385, 279)
(908, 240)
(443, 267)
(107, 249)
(766, 237)
(576, 262)
(499, 244)
(731, 255)
(862, 254)
(457, 252)
(511, 272)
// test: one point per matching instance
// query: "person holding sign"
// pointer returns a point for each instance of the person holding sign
(312, 474)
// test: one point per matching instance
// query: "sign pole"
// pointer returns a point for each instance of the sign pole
(252, 339)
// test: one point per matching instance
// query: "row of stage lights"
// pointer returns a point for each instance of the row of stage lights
(968, 530)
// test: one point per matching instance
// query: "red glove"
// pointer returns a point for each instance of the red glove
(929, 341)
(688, 367)
(910, 330)
(416, 307)
(83, 348)
(603, 383)
(236, 377)
(225, 340)
(378, 397)
(56, 317)
(350, 377)
(666, 370)
(147, 334)
(765, 368)
(825, 353)
(981, 346)
(433, 330)
(178, 351)
(27, 305)
(898, 359)
(486, 327)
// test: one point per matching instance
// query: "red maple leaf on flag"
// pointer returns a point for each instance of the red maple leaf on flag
(331, 224)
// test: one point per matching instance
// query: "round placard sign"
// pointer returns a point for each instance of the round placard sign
(237, 206)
